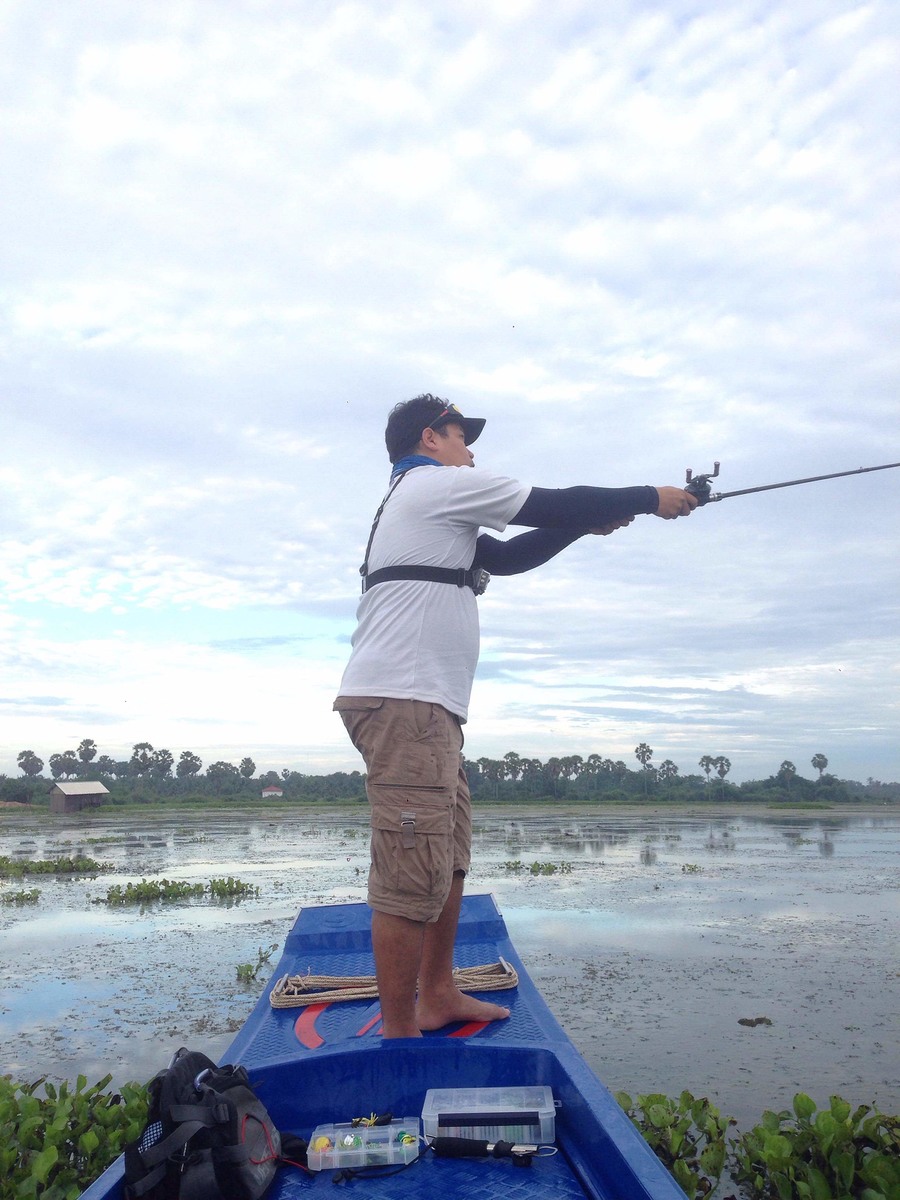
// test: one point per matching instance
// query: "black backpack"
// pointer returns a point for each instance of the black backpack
(208, 1136)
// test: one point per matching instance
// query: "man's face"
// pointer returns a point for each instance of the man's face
(448, 446)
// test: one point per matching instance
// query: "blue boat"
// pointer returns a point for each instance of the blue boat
(327, 1063)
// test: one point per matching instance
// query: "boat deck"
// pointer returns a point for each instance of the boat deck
(328, 1063)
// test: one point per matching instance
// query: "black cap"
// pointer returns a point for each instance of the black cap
(408, 419)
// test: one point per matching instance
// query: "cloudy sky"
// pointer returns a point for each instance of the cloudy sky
(636, 236)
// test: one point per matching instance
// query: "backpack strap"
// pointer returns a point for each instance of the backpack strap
(214, 1112)
(161, 1150)
(200, 1182)
(155, 1158)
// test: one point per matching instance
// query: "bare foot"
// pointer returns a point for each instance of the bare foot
(434, 1012)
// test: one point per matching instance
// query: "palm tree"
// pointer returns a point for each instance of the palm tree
(188, 765)
(591, 768)
(819, 762)
(513, 765)
(493, 771)
(161, 764)
(786, 773)
(571, 766)
(532, 772)
(643, 754)
(666, 772)
(707, 762)
(553, 769)
(65, 764)
(87, 750)
(30, 764)
(723, 766)
(141, 758)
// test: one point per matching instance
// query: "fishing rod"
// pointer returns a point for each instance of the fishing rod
(700, 488)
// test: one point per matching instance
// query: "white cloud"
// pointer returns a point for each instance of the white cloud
(636, 237)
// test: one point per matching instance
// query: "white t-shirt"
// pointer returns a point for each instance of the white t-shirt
(417, 640)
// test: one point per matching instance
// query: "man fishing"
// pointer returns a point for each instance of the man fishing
(404, 695)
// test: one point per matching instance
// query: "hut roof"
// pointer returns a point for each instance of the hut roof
(82, 788)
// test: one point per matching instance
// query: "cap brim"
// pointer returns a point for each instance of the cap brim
(472, 427)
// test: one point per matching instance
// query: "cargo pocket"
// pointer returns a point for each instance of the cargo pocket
(412, 848)
(355, 712)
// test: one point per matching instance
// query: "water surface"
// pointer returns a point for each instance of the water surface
(654, 938)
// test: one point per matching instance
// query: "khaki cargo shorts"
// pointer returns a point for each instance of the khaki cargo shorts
(421, 810)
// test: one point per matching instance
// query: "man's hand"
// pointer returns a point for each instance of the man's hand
(603, 530)
(675, 502)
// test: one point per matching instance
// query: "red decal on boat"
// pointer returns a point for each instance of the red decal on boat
(469, 1030)
(369, 1024)
(305, 1027)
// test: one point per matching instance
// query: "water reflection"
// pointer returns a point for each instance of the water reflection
(772, 909)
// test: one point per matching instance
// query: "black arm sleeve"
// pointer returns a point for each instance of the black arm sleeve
(523, 552)
(584, 508)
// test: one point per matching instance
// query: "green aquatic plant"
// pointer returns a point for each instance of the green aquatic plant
(149, 890)
(687, 1135)
(231, 889)
(247, 972)
(30, 897)
(836, 1152)
(54, 1141)
(549, 868)
(79, 864)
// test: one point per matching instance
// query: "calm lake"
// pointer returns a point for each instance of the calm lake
(655, 938)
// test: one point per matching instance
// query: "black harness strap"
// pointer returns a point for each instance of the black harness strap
(475, 577)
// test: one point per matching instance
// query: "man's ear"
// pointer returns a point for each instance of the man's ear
(429, 440)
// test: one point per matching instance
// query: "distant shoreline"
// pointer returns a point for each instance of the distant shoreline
(511, 810)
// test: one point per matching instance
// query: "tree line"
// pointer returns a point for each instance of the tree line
(154, 773)
(612, 779)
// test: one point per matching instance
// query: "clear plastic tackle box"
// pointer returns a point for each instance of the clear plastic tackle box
(348, 1145)
(492, 1114)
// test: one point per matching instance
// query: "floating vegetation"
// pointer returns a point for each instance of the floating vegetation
(56, 1143)
(515, 866)
(837, 1151)
(691, 869)
(78, 864)
(30, 897)
(231, 889)
(150, 890)
(247, 972)
(687, 1135)
(549, 868)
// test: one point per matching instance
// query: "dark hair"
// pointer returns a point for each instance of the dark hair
(406, 422)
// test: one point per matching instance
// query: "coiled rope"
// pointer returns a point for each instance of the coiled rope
(297, 991)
